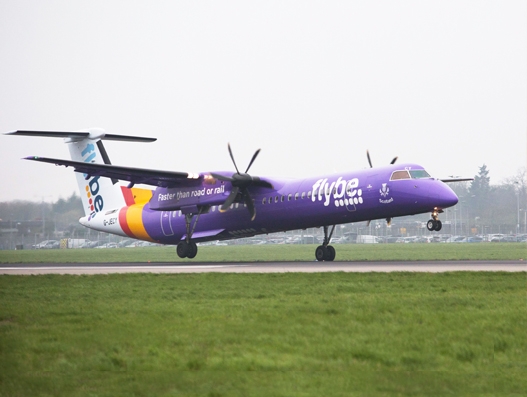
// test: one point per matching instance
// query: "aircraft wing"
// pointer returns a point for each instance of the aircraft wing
(130, 174)
(452, 179)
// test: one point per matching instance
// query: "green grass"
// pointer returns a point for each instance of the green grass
(262, 253)
(321, 334)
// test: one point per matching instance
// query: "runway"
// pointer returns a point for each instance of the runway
(263, 267)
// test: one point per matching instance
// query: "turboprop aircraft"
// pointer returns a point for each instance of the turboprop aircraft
(183, 208)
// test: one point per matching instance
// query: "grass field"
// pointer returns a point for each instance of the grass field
(322, 334)
(257, 253)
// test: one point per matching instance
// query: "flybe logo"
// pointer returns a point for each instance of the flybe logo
(342, 192)
(95, 200)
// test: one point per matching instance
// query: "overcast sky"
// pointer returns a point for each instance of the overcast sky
(314, 84)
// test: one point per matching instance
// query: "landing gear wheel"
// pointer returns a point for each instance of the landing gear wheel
(330, 253)
(192, 250)
(182, 249)
(325, 253)
(433, 225)
(320, 253)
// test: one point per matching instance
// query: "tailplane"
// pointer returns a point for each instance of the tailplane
(97, 193)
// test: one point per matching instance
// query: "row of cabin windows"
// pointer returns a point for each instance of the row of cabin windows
(290, 197)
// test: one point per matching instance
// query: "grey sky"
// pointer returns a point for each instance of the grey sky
(313, 84)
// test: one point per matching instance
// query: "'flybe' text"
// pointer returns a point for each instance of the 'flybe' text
(95, 200)
(342, 192)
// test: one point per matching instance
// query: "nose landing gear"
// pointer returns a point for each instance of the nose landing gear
(434, 224)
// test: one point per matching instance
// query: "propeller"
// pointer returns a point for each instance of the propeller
(369, 159)
(240, 183)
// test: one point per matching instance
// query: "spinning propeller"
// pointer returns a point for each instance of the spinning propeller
(240, 183)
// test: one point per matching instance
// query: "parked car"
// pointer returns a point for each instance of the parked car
(47, 244)
(107, 245)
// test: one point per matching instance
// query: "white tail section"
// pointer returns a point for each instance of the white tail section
(98, 194)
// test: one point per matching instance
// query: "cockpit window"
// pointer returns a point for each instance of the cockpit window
(419, 174)
(400, 175)
(409, 174)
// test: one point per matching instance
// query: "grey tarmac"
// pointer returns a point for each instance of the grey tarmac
(263, 267)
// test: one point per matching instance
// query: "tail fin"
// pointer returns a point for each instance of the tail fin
(97, 193)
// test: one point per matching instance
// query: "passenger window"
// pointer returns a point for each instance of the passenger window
(276, 199)
(264, 200)
(296, 196)
(289, 197)
(303, 195)
(309, 194)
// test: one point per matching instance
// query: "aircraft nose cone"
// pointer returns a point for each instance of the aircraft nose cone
(442, 196)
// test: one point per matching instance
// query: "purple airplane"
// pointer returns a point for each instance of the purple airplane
(186, 208)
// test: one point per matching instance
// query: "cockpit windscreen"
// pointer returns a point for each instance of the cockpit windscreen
(409, 174)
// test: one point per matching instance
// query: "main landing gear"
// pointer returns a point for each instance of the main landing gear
(188, 248)
(326, 252)
(434, 224)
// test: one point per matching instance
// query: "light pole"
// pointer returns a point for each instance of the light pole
(517, 206)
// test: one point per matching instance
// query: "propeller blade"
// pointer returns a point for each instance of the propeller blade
(232, 196)
(250, 205)
(252, 160)
(369, 159)
(232, 158)
(394, 160)
(240, 183)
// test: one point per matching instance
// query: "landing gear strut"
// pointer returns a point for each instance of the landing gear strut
(434, 224)
(188, 248)
(326, 252)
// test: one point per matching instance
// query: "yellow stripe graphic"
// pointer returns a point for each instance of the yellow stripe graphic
(134, 219)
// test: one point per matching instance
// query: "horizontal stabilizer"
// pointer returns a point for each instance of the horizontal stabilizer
(130, 174)
(93, 134)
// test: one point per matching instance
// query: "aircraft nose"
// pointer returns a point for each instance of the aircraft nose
(442, 196)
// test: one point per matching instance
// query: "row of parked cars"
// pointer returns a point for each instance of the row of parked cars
(55, 244)
(493, 238)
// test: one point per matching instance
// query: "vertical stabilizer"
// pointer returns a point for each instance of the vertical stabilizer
(97, 193)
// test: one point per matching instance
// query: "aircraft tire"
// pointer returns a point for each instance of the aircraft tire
(438, 225)
(192, 250)
(182, 249)
(320, 253)
(430, 225)
(330, 253)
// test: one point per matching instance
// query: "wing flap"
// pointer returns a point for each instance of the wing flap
(130, 174)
